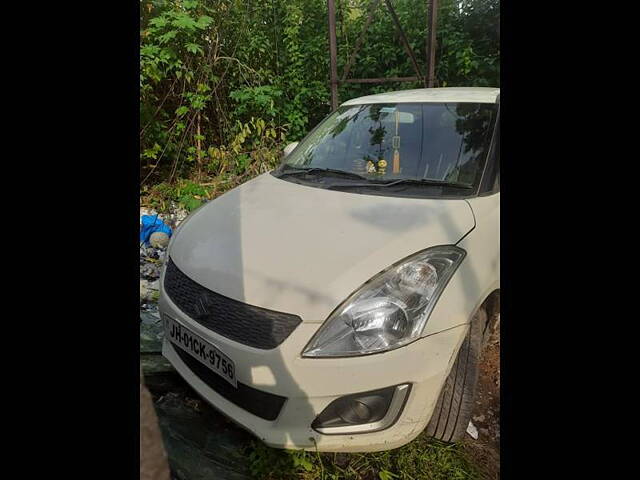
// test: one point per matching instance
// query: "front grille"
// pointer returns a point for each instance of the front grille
(243, 323)
(262, 404)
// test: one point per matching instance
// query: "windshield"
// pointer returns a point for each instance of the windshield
(441, 144)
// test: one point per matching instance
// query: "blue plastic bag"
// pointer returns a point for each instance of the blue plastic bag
(150, 224)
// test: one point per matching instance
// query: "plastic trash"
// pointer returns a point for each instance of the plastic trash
(472, 430)
(150, 224)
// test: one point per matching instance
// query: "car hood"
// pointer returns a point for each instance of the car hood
(303, 250)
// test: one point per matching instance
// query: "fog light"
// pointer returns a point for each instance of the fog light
(354, 412)
(362, 412)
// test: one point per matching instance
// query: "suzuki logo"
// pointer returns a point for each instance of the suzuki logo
(201, 306)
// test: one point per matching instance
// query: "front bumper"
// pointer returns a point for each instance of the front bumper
(309, 385)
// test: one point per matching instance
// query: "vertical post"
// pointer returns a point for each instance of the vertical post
(333, 53)
(403, 37)
(431, 44)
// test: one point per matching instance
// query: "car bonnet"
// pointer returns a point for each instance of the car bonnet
(303, 250)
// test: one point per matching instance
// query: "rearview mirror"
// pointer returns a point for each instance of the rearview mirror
(289, 148)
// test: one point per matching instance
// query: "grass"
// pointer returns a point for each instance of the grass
(423, 458)
(184, 193)
(189, 193)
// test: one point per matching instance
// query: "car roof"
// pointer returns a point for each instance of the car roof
(438, 95)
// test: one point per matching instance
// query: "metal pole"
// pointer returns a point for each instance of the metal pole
(360, 41)
(431, 43)
(403, 38)
(381, 80)
(333, 53)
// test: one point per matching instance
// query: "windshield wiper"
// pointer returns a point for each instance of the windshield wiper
(426, 181)
(332, 171)
(369, 182)
(406, 181)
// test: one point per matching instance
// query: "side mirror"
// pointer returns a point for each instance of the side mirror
(289, 148)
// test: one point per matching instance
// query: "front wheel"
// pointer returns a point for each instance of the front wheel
(454, 408)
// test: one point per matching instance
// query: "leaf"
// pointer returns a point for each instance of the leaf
(194, 48)
(183, 20)
(386, 475)
(180, 111)
(158, 22)
(203, 88)
(204, 21)
(167, 37)
(152, 152)
(149, 50)
(189, 202)
(306, 464)
(300, 460)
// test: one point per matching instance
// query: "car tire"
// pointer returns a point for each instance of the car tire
(454, 407)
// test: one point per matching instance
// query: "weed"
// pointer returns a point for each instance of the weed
(422, 459)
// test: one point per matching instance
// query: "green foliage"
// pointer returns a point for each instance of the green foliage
(190, 195)
(265, 462)
(386, 475)
(209, 68)
(469, 43)
(185, 193)
(423, 458)
(256, 101)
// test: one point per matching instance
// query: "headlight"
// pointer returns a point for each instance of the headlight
(391, 309)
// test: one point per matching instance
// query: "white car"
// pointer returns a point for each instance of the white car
(339, 302)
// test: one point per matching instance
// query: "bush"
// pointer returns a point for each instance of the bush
(222, 81)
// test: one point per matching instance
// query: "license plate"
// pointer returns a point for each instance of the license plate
(200, 349)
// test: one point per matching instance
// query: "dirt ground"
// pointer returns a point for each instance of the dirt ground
(485, 451)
